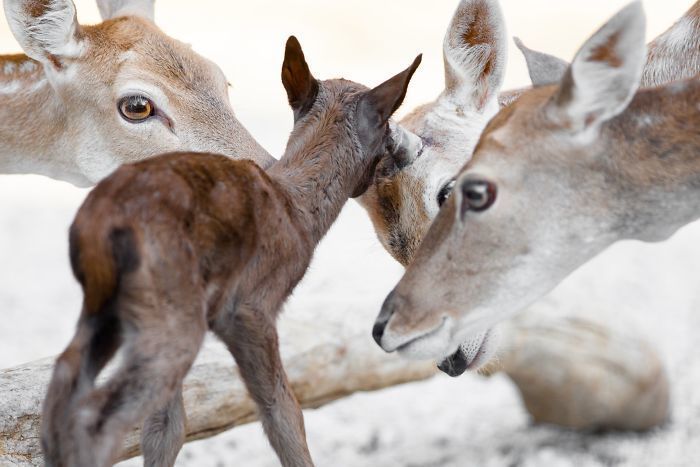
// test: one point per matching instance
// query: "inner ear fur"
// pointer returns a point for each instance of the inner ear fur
(475, 50)
(46, 30)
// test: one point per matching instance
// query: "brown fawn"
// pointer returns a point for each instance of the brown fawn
(557, 177)
(170, 247)
(86, 99)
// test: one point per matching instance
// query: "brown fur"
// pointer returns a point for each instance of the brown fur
(170, 247)
(606, 53)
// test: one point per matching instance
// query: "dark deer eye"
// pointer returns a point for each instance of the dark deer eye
(445, 192)
(477, 195)
(136, 108)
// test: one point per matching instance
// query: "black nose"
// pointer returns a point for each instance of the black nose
(383, 319)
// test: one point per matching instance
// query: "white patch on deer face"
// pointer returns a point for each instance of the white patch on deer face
(9, 68)
(11, 87)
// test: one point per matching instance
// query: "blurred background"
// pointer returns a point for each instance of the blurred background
(442, 422)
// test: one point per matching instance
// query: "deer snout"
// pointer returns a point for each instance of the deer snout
(383, 319)
(413, 331)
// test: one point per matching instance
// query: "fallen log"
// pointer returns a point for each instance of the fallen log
(569, 371)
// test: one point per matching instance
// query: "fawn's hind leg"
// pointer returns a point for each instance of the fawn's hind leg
(163, 433)
(94, 344)
(156, 359)
(251, 336)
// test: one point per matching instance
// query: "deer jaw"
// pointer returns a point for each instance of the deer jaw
(78, 76)
(556, 178)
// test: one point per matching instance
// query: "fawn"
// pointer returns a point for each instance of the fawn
(557, 177)
(86, 99)
(170, 247)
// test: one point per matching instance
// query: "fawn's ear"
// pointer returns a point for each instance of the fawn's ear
(380, 103)
(475, 52)
(114, 8)
(47, 30)
(543, 68)
(605, 74)
(298, 81)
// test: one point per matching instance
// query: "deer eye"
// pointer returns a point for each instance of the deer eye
(445, 192)
(136, 108)
(478, 195)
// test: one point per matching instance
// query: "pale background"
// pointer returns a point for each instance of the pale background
(468, 421)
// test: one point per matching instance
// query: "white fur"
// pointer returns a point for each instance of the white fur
(114, 8)
(9, 68)
(600, 90)
(10, 87)
(53, 33)
(465, 62)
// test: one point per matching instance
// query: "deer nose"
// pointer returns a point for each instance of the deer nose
(383, 319)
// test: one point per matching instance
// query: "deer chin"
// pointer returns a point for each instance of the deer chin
(471, 355)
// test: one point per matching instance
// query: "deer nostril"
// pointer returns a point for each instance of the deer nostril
(383, 319)
(378, 331)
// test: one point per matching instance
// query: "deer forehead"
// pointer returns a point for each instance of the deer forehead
(138, 49)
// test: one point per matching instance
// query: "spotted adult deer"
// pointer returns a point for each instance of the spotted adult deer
(169, 247)
(557, 177)
(405, 198)
(86, 99)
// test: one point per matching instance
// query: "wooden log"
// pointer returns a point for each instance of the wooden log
(321, 370)
(570, 372)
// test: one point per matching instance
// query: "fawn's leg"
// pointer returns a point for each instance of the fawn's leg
(251, 336)
(163, 433)
(157, 358)
(94, 344)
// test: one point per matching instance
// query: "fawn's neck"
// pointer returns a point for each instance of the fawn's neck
(656, 144)
(319, 170)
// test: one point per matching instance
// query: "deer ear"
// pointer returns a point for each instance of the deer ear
(543, 68)
(380, 103)
(605, 74)
(298, 81)
(114, 8)
(475, 52)
(47, 30)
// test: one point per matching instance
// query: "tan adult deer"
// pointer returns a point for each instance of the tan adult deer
(86, 99)
(405, 198)
(169, 247)
(556, 178)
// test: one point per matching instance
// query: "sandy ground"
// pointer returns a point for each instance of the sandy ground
(470, 421)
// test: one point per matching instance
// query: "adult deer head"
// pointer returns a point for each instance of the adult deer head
(553, 181)
(102, 95)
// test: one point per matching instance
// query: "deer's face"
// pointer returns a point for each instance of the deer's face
(150, 96)
(405, 199)
(127, 90)
(534, 203)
